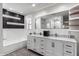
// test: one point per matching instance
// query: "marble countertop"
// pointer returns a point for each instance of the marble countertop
(56, 38)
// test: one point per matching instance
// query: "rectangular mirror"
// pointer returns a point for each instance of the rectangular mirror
(53, 21)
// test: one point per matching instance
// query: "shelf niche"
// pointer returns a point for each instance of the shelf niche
(74, 18)
(12, 17)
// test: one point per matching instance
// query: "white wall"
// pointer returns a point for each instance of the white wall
(1, 41)
(14, 34)
(14, 39)
(10, 48)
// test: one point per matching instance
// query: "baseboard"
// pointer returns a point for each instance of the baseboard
(13, 47)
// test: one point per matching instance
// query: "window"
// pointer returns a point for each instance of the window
(29, 23)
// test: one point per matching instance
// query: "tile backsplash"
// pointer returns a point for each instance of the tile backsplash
(59, 32)
(53, 31)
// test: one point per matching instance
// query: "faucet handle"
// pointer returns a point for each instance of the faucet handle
(56, 34)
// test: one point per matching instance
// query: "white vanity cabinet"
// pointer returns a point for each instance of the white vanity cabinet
(50, 46)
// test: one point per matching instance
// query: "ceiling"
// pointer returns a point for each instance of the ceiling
(56, 14)
(26, 8)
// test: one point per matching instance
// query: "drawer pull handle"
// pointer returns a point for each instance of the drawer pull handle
(42, 48)
(68, 52)
(42, 40)
(34, 40)
(68, 46)
(41, 44)
(53, 44)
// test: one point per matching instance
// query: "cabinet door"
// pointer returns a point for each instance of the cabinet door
(54, 47)
(50, 44)
(39, 45)
(30, 42)
(36, 44)
(58, 50)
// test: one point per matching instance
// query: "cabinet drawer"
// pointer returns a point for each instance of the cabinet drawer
(42, 48)
(68, 51)
(68, 45)
(42, 51)
(68, 54)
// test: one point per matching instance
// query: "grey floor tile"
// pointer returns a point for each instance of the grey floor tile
(23, 52)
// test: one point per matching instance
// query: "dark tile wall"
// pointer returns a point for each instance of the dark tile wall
(7, 19)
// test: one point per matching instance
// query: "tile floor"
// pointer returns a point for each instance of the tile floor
(23, 52)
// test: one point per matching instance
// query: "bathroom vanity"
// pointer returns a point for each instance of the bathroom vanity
(52, 46)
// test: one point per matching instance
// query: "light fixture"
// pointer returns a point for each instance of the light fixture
(33, 5)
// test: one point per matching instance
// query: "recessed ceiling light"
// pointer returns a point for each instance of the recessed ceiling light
(33, 5)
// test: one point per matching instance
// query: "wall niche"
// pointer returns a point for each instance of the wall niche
(12, 20)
